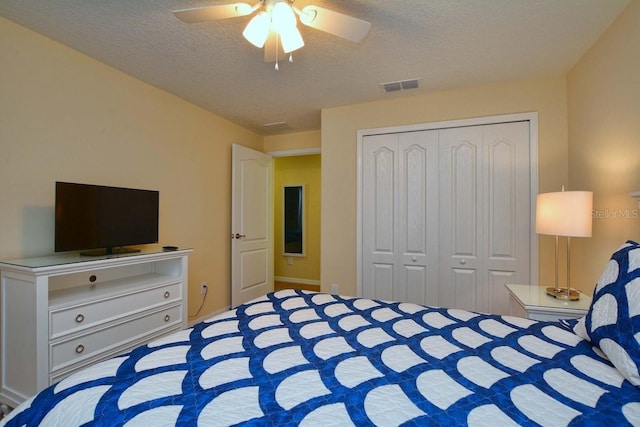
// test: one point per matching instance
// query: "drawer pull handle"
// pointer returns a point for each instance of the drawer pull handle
(167, 294)
(79, 348)
(80, 318)
(167, 318)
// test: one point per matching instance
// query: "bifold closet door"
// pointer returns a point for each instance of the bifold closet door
(446, 215)
(400, 217)
(484, 214)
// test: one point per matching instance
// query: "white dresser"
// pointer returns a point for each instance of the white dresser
(63, 312)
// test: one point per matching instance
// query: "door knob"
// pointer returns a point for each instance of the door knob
(238, 235)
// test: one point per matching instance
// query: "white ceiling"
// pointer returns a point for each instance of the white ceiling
(444, 43)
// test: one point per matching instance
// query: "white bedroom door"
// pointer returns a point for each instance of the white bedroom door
(251, 225)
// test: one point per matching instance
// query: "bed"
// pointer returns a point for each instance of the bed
(313, 359)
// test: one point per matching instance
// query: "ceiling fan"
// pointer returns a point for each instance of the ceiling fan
(275, 26)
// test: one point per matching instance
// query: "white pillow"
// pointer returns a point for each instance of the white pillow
(613, 320)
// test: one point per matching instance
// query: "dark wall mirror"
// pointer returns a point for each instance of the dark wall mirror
(293, 213)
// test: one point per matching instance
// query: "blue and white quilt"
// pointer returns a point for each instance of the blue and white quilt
(312, 359)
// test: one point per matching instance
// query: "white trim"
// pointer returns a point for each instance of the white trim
(533, 182)
(531, 117)
(360, 139)
(296, 152)
(294, 280)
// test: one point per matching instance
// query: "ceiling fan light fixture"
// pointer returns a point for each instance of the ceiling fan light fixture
(307, 15)
(291, 40)
(282, 17)
(275, 27)
(257, 30)
(244, 9)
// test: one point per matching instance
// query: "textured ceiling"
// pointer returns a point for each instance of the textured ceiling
(444, 43)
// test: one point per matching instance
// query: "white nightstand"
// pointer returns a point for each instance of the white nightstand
(534, 303)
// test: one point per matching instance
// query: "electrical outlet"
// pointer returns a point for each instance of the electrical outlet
(203, 288)
(334, 288)
(290, 261)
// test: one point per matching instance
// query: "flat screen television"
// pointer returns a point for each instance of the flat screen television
(101, 220)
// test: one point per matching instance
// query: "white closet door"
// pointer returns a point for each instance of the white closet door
(379, 201)
(417, 223)
(507, 206)
(400, 221)
(461, 217)
(446, 215)
(484, 214)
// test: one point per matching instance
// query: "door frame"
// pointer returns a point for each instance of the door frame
(531, 117)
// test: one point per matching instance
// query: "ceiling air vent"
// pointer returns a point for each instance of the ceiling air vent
(399, 85)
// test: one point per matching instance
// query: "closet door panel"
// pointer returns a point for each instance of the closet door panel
(381, 280)
(508, 214)
(465, 288)
(498, 299)
(501, 201)
(412, 284)
(418, 217)
(460, 216)
(379, 167)
(464, 187)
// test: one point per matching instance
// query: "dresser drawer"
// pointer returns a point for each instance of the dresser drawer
(63, 353)
(69, 319)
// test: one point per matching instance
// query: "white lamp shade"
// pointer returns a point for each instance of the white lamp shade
(291, 40)
(282, 17)
(565, 213)
(257, 30)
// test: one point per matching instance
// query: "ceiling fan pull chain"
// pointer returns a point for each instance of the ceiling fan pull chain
(290, 57)
(277, 68)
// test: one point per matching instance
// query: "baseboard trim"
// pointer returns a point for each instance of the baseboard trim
(295, 280)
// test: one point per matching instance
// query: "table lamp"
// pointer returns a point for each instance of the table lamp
(567, 214)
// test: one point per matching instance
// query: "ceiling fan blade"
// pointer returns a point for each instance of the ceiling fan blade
(214, 13)
(273, 48)
(335, 23)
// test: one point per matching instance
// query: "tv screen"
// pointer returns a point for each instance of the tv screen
(101, 217)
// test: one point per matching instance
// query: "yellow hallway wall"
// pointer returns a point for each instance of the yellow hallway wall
(339, 162)
(604, 143)
(298, 170)
(68, 117)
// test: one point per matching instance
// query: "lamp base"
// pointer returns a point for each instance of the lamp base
(566, 294)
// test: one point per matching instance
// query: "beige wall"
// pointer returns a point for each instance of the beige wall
(292, 141)
(604, 142)
(65, 116)
(340, 125)
(68, 117)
